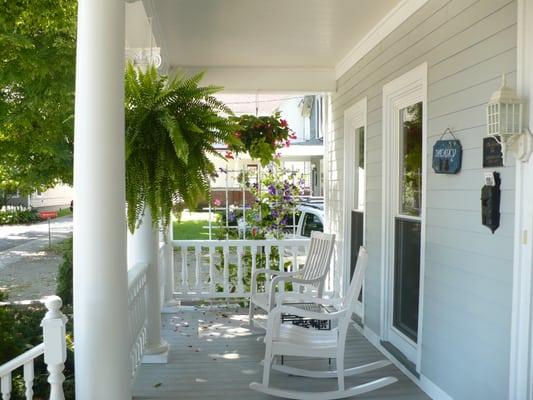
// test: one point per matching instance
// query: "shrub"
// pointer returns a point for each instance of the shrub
(13, 217)
(64, 274)
(21, 331)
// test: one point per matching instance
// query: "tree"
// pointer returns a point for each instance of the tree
(172, 127)
(37, 74)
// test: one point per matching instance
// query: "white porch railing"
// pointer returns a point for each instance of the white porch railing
(137, 313)
(55, 354)
(222, 268)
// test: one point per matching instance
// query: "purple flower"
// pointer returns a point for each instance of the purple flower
(271, 189)
(257, 217)
(274, 213)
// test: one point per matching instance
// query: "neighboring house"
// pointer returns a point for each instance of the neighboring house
(56, 197)
(305, 116)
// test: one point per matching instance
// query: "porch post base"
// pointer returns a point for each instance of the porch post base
(156, 354)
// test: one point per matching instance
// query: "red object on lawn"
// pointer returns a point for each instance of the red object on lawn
(47, 214)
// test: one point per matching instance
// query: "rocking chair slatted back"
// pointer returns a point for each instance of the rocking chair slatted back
(317, 262)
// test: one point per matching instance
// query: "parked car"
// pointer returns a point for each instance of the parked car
(311, 219)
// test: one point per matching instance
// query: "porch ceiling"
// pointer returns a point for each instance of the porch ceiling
(258, 33)
(274, 44)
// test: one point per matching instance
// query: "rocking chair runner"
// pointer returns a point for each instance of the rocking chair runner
(289, 340)
(311, 276)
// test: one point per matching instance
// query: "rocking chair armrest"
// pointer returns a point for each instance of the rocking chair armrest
(286, 309)
(268, 271)
(284, 278)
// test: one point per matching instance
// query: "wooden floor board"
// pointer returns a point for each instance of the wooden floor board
(214, 356)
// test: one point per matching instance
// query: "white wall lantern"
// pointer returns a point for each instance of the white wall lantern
(504, 123)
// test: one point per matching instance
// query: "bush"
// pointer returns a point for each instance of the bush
(21, 331)
(13, 217)
(64, 274)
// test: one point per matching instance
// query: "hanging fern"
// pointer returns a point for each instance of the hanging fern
(172, 127)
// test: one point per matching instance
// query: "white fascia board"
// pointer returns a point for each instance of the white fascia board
(302, 151)
(397, 16)
(266, 79)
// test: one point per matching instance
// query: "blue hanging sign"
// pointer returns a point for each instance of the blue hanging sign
(447, 155)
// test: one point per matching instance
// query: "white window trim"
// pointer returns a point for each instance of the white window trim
(401, 92)
(354, 118)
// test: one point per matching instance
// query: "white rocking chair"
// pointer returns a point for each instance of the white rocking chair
(290, 340)
(312, 276)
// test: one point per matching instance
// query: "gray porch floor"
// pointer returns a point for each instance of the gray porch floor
(214, 356)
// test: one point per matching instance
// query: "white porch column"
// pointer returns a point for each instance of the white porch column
(169, 265)
(100, 277)
(521, 360)
(144, 247)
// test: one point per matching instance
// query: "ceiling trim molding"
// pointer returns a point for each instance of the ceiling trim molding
(385, 27)
(265, 79)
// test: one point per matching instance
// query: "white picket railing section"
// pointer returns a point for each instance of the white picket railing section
(55, 354)
(219, 268)
(137, 313)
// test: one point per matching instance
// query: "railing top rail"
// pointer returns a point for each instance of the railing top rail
(21, 359)
(135, 273)
(240, 242)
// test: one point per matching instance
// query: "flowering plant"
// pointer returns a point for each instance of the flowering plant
(275, 203)
(261, 137)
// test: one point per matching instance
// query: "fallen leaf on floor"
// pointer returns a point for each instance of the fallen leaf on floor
(157, 384)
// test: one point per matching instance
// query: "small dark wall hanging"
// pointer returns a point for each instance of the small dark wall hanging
(492, 153)
(447, 154)
(490, 201)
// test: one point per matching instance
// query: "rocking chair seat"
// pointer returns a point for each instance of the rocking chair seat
(294, 340)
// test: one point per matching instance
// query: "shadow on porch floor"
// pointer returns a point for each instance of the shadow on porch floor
(213, 355)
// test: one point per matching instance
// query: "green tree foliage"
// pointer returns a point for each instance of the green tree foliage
(37, 73)
(172, 127)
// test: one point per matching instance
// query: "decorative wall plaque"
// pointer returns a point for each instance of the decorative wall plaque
(447, 155)
(492, 153)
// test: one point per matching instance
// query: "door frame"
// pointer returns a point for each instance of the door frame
(405, 90)
(354, 118)
(521, 357)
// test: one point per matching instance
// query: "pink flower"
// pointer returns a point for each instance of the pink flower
(229, 155)
(238, 134)
(278, 155)
(217, 202)
(287, 143)
(293, 136)
(283, 123)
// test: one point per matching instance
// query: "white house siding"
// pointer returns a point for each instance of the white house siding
(468, 273)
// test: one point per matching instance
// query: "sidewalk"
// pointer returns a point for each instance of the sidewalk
(27, 270)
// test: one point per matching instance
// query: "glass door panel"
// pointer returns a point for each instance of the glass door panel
(407, 223)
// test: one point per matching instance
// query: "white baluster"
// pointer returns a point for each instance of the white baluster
(55, 347)
(29, 375)
(254, 258)
(295, 251)
(267, 265)
(198, 254)
(5, 386)
(281, 266)
(184, 274)
(212, 287)
(240, 253)
(226, 268)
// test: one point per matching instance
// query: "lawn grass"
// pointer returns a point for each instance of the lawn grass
(190, 230)
(63, 212)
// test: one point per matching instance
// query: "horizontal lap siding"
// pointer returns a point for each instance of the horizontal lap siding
(467, 44)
